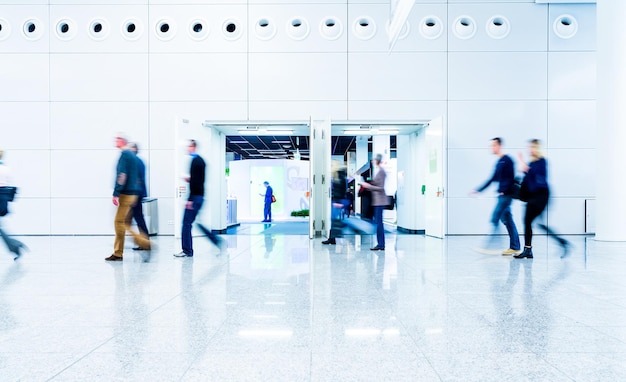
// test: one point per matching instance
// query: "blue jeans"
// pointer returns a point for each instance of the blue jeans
(267, 211)
(502, 212)
(380, 228)
(188, 219)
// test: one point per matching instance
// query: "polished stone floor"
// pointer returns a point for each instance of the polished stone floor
(284, 308)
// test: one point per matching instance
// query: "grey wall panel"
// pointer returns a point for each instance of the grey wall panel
(502, 75)
(399, 76)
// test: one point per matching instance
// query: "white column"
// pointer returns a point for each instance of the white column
(611, 121)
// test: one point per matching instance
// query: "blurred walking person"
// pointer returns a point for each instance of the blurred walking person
(7, 193)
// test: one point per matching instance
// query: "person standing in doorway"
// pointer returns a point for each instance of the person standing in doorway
(125, 194)
(536, 193)
(504, 175)
(138, 207)
(379, 201)
(196, 178)
(267, 206)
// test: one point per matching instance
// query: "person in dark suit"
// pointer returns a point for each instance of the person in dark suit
(138, 207)
(267, 207)
(7, 192)
(197, 173)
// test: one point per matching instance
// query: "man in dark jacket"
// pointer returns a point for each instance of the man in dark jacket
(125, 194)
(138, 207)
(504, 175)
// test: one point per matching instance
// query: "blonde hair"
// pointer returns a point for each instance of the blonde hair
(537, 152)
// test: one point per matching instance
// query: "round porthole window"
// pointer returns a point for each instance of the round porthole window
(565, 26)
(364, 28)
(265, 29)
(5, 29)
(464, 27)
(165, 30)
(232, 29)
(198, 29)
(331, 28)
(431, 27)
(98, 29)
(298, 28)
(32, 29)
(66, 29)
(132, 29)
(498, 27)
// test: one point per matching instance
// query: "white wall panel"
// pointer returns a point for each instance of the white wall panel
(572, 124)
(99, 77)
(94, 125)
(504, 76)
(377, 76)
(572, 75)
(26, 75)
(571, 172)
(298, 110)
(83, 216)
(83, 173)
(198, 77)
(25, 125)
(181, 19)
(28, 216)
(297, 77)
(526, 22)
(312, 15)
(415, 40)
(395, 110)
(468, 169)
(163, 117)
(472, 216)
(161, 171)
(15, 17)
(474, 123)
(586, 24)
(166, 216)
(565, 216)
(82, 2)
(30, 171)
(113, 19)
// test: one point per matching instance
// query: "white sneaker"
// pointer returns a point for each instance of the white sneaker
(509, 252)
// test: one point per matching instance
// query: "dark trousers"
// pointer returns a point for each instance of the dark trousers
(336, 218)
(188, 219)
(380, 228)
(138, 216)
(534, 207)
(267, 211)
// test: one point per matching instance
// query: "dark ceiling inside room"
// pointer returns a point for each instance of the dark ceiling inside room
(284, 147)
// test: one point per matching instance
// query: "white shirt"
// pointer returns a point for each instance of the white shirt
(5, 175)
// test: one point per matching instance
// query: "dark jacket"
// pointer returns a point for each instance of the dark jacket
(504, 175)
(196, 177)
(141, 167)
(536, 179)
(127, 175)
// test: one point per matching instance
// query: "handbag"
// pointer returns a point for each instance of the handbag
(391, 202)
(273, 199)
(519, 190)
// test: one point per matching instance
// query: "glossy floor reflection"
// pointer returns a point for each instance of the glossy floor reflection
(284, 308)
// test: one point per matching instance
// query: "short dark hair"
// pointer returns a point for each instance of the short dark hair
(192, 142)
(498, 140)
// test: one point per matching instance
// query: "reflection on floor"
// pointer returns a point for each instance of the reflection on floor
(284, 308)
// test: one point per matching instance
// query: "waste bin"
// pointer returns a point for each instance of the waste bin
(151, 215)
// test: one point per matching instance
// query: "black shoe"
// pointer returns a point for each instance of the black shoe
(377, 248)
(139, 249)
(114, 258)
(329, 241)
(528, 254)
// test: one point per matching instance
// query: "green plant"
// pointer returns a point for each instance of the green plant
(300, 213)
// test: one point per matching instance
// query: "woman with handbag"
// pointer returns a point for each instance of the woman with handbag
(536, 192)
